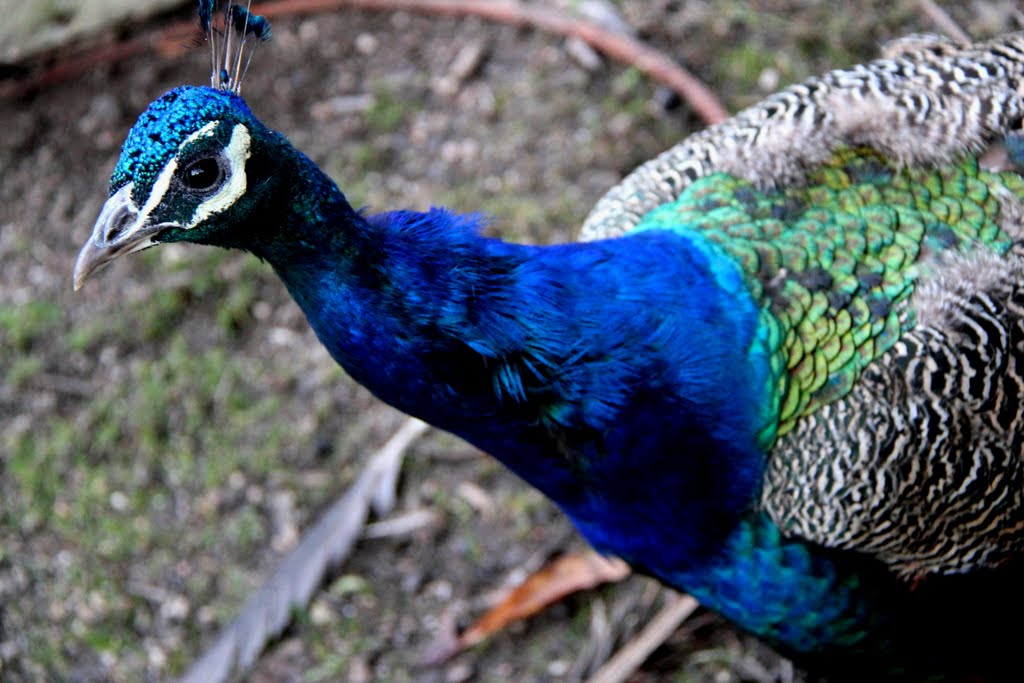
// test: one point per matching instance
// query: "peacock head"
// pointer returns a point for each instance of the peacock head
(185, 174)
(196, 162)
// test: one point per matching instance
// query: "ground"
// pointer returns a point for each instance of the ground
(167, 432)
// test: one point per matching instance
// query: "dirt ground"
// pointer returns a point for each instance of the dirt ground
(168, 432)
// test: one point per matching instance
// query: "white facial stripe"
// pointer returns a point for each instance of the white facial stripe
(237, 153)
(205, 131)
(156, 195)
(163, 181)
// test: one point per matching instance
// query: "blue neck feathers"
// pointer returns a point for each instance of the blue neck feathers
(581, 366)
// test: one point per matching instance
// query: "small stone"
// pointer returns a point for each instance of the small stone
(584, 55)
(466, 63)
(341, 105)
(309, 32)
(156, 656)
(458, 673)
(366, 43)
(320, 613)
(174, 608)
(558, 668)
(118, 501)
(768, 80)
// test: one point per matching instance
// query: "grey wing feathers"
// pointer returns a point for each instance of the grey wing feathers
(922, 463)
(927, 102)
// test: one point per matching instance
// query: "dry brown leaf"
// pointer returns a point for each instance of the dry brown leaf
(565, 575)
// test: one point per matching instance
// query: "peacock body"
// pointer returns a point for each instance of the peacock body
(783, 371)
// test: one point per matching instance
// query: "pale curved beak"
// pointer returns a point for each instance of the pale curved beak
(119, 230)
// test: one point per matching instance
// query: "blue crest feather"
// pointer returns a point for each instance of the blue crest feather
(205, 13)
(248, 24)
(228, 37)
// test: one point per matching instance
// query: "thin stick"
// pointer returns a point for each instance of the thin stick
(323, 548)
(627, 660)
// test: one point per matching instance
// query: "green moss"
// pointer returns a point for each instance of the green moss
(23, 368)
(330, 667)
(744, 65)
(22, 325)
(388, 110)
(244, 529)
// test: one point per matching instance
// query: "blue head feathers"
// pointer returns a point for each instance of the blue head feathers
(161, 131)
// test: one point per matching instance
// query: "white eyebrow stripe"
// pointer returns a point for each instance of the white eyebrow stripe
(204, 132)
(156, 194)
(163, 181)
(237, 152)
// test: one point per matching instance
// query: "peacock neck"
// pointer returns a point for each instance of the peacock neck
(578, 366)
(414, 307)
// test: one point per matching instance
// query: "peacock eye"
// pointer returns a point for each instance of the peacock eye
(203, 174)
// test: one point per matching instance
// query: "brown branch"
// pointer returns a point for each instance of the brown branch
(624, 48)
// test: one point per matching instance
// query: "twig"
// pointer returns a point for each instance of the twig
(402, 525)
(617, 45)
(629, 658)
(943, 21)
(268, 611)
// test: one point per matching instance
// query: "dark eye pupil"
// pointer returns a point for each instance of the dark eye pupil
(203, 174)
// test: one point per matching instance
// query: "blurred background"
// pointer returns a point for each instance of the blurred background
(168, 432)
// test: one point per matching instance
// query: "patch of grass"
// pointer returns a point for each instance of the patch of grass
(365, 155)
(388, 110)
(57, 12)
(122, 475)
(86, 335)
(229, 279)
(745, 65)
(35, 463)
(161, 312)
(235, 309)
(244, 529)
(330, 667)
(630, 93)
(22, 368)
(350, 584)
(22, 325)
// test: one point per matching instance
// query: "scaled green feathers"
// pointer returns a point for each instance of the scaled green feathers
(834, 262)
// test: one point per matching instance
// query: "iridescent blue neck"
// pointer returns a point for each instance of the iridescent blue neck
(579, 366)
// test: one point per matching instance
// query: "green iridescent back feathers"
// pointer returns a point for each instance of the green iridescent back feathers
(834, 262)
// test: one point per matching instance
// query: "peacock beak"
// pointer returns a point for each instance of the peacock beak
(120, 229)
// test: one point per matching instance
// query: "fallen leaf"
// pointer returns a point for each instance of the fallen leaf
(567, 574)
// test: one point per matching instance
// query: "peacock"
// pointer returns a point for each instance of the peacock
(782, 370)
